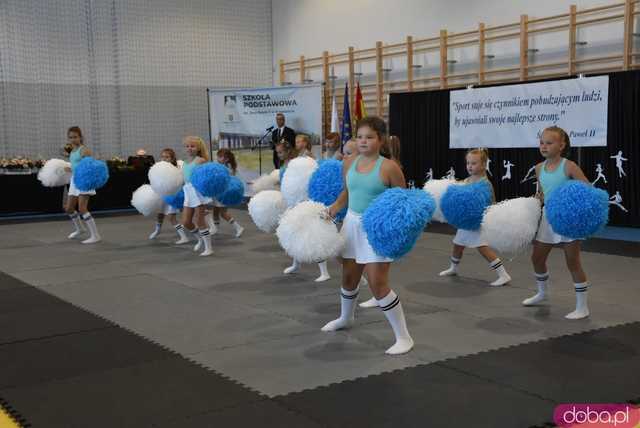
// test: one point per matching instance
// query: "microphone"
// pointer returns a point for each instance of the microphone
(270, 128)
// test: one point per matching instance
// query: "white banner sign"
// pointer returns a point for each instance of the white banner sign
(515, 115)
(248, 112)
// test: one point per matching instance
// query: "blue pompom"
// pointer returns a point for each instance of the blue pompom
(90, 174)
(234, 194)
(210, 179)
(176, 201)
(463, 205)
(395, 220)
(326, 184)
(577, 210)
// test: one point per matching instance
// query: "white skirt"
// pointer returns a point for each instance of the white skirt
(546, 234)
(470, 238)
(168, 209)
(193, 198)
(74, 191)
(357, 245)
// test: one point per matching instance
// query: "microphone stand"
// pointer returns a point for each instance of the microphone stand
(260, 150)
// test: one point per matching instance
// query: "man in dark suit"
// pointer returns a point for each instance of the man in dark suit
(281, 133)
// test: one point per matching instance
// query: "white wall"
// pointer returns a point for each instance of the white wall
(308, 27)
(130, 73)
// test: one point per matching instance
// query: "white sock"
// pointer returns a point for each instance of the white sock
(324, 272)
(541, 295)
(239, 229)
(293, 268)
(453, 267)
(205, 238)
(156, 231)
(582, 308)
(348, 300)
(77, 224)
(93, 229)
(181, 233)
(503, 276)
(392, 309)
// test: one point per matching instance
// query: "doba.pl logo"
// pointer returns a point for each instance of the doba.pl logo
(597, 416)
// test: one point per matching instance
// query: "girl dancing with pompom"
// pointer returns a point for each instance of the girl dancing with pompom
(194, 202)
(367, 176)
(168, 211)
(552, 173)
(77, 200)
(228, 159)
(477, 169)
(303, 148)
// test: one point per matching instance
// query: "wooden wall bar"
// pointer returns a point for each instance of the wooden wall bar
(377, 84)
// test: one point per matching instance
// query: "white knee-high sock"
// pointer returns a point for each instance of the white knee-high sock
(77, 225)
(392, 309)
(293, 268)
(503, 276)
(582, 307)
(348, 303)
(324, 272)
(236, 226)
(453, 267)
(93, 229)
(156, 230)
(205, 238)
(541, 295)
(180, 230)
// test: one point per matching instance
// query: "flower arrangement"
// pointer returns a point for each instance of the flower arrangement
(20, 164)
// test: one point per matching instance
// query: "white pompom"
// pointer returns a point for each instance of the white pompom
(306, 236)
(146, 201)
(264, 182)
(510, 226)
(266, 208)
(295, 182)
(437, 188)
(53, 173)
(275, 174)
(165, 178)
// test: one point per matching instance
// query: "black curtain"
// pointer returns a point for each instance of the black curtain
(421, 121)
